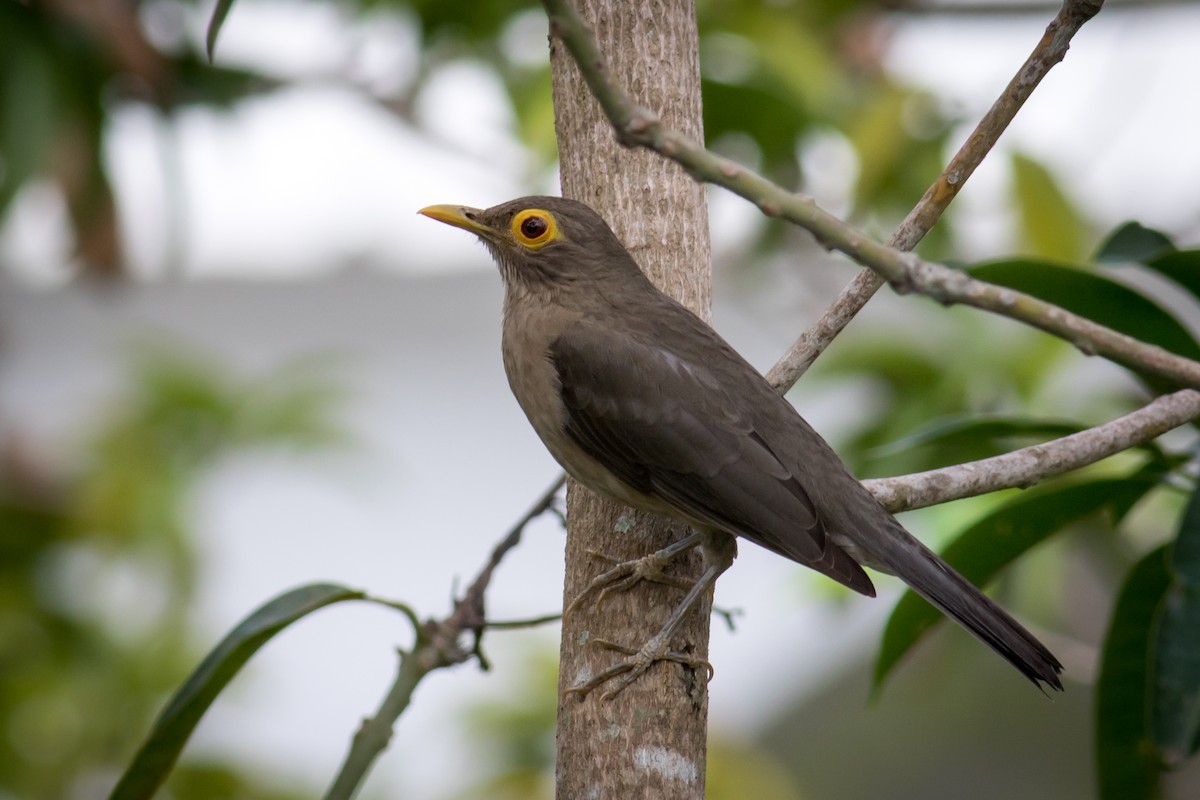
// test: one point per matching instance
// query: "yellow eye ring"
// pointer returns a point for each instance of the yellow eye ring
(534, 227)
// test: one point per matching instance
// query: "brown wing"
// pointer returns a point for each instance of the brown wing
(669, 428)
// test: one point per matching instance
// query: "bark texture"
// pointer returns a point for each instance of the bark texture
(649, 740)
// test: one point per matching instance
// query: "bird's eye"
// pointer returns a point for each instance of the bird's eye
(535, 227)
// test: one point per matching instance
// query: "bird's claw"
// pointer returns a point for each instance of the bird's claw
(636, 663)
(624, 575)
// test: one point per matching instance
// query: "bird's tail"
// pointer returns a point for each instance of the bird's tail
(936, 581)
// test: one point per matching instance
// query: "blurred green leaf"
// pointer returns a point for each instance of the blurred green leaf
(513, 733)
(175, 724)
(220, 11)
(1097, 297)
(991, 543)
(1133, 242)
(213, 780)
(1180, 266)
(1175, 709)
(1126, 767)
(739, 771)
(894, 163)
(29, 96)
(200, 83)
(478, 23)
(1050, 225)
(773, 121)
(529, 92)
(968, 438)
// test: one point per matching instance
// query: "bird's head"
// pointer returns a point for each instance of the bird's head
(538, 240)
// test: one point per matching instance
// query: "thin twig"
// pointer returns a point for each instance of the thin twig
(1050, 50)
(1025, 467)
(437, 645)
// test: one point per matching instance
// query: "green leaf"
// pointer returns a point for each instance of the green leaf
(1182, 267)
(1133, 242)
(220, 11)
(958, 439)
(1050, 225)
(772, 120)
(198, 82)
(1126, 768)
(1175, 713)
(1097, 297)
(179, 718)
(991, 543)
(980, 436)
(30, 94)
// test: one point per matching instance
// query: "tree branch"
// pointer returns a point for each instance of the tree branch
(637, 127)
(437, 645)
(1025, 467)
(1050, 50)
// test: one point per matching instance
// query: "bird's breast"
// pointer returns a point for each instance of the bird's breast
(531, 374)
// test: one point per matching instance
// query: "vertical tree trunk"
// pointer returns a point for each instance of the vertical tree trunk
(649, 740)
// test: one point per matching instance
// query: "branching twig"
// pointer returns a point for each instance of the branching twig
(1025, 467)
(637, 127)
(1049, 51)
(437, 645)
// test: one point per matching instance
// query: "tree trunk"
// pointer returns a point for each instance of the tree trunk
(649, 740)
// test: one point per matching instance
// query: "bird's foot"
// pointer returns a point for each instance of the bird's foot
(624, 575)
(635, 664)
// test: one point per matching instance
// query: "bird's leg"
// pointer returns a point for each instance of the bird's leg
(719, 554)
(626, 574)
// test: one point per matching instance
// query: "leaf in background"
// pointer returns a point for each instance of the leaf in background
(990, 544)
(1126, 770)
(1175, 712)
(1097, 297)
(442, 22)
(175, 724)
(1180, 266)
(220, 11)
(967, 438)
(890, 162)
(773, 121)
(1050, 225)
(29, 97)
(202, 84)
(530, 95)
(1133, 242)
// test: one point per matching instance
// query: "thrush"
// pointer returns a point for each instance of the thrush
(640, 400)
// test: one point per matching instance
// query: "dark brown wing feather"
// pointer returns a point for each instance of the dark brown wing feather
(668, 428)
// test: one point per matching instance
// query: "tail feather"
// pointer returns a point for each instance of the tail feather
(955, 596)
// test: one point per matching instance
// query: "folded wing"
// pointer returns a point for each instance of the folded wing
(668, 427)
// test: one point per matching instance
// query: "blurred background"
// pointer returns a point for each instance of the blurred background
(233, 360)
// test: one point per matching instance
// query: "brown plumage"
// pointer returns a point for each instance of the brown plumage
(641, 400)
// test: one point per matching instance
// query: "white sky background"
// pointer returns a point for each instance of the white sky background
(297, 183)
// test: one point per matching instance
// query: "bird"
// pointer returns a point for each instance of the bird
(642, 401)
